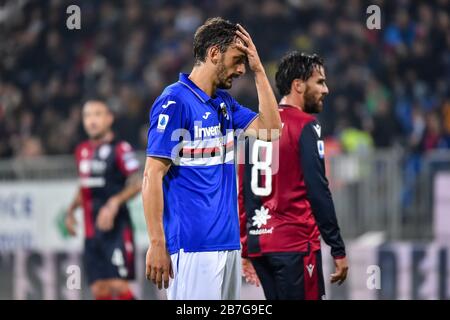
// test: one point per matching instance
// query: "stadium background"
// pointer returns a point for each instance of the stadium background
(386, 122)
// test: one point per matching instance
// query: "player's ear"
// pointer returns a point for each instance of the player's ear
(110, 118)
(298, 85)
(214, 54)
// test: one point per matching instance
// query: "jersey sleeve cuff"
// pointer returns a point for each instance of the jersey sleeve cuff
(159, 155)
(251, 121)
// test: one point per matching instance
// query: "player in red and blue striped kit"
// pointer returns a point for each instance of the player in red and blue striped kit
(108, 172)
(284, 201)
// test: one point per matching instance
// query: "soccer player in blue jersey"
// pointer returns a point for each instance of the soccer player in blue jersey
(189, 187)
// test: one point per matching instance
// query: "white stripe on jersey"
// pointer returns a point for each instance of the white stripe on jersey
(203, 149)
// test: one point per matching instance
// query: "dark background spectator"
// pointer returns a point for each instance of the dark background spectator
(393, 83)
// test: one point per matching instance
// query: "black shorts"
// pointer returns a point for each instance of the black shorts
(291, 276)
(110, 255)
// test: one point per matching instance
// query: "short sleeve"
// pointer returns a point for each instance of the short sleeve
(167, 124)
(127, 161)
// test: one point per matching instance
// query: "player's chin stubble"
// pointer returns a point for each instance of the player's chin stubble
(225, 82)
(97, 136)
(313, 105)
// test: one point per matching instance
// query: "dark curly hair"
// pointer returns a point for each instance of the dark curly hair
(295, 65)
(214, 32)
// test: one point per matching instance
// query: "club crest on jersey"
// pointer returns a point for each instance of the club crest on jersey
(104, 151)
(162, 121)
(223, 107)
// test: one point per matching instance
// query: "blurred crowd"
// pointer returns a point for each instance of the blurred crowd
(388, 87)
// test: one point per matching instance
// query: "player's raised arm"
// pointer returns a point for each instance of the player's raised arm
(158, 264)
(269, 117)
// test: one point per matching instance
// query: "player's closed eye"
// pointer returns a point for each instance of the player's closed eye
(239, 60)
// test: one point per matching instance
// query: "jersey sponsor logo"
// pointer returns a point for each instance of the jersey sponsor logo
(321, 148)
(165, 106)
(317, 129)
(92, 166)
(206, 115)
(162, 121)
(310, 268)
(206, 152)
(92, 182)
(260, 231)
(200, 132)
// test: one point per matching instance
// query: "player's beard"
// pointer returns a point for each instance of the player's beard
(225, 81)
(313, 104)
(99, 136)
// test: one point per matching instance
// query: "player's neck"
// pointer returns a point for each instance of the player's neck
(292, 101)
(203, 78)
(107, 137)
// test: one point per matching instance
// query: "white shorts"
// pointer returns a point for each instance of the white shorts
(214, 275)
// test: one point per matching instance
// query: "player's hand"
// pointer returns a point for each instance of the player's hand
(249, 48)
(340, 274)
(71, 222)
(158, 266)
(249, 273)
(107, 215)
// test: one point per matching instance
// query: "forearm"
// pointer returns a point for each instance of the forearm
(324, 212)
(132, 188)
(269, 115)
(153, 201)
(76, 201)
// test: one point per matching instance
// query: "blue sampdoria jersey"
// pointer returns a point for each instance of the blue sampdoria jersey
(197, 133)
